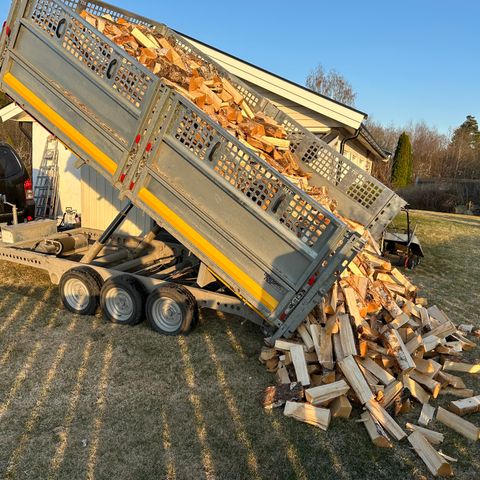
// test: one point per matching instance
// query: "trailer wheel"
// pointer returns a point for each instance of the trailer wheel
(80, 290)
(171, 310)
(122, 299)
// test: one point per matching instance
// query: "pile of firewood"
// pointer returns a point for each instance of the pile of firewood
(216, 96)
(373, 343)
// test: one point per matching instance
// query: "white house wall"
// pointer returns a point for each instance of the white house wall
(358, 155)
(85, 190)
(100, 205)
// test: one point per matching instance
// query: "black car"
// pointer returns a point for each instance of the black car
(15, 186)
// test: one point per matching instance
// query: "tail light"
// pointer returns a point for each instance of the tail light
(27, 187)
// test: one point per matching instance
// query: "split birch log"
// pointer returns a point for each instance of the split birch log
(375, 431)
(387, 422)
(435, 438)
(356, 380)
(459, 424)
(324, 393)
(316, 416)
(426, 415)
(465, 406)
(437, 465)
(461, 367)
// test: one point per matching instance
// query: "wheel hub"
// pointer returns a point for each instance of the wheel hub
(76, 294)
(167, 314)
(119, 304)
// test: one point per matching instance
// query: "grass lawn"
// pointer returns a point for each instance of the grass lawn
(84, 399)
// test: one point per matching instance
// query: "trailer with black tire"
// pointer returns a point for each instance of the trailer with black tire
(131, 279)
(247, 228)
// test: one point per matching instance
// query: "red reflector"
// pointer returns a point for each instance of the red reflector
(122, 177)
(283, 316)
(132, 184)
(149, 147)
(8, 31)
(27, 184)
(29, 218)
(137, 139)
(311, 280)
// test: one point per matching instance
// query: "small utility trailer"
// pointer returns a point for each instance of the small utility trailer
(235, 218)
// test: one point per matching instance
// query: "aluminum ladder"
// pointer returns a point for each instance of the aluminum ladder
(46, 183)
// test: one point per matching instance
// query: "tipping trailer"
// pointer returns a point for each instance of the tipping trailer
(270, 243)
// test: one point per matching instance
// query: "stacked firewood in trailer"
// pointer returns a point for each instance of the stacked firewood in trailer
(204, 86)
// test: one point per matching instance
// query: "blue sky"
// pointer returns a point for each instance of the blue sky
(410, 60)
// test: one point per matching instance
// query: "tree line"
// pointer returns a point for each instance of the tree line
(419, 151)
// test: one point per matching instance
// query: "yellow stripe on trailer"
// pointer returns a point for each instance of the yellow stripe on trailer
(208, 249)
(83, 142)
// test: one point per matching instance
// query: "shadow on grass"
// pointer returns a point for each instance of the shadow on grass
(83, 398)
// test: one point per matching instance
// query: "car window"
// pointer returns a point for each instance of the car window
(9, 164)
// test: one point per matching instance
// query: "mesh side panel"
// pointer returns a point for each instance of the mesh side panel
(257, 181)
(89, 47)
(46, 15)
(364, 191)
(96, 9)
(131, 82)
(249, 95)
(333, 167)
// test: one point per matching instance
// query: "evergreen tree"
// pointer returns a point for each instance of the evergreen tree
(402, 166)
(464, 150)
(467, 134)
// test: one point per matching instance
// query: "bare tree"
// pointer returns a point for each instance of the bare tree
(429, 147)
(331, 84)
(429, 150)
(385, 135)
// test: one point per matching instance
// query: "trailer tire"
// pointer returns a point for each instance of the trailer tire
(122, 299)
(80, 290)
(171, 310)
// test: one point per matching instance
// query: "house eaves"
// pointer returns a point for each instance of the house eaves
(15, 113)
(367, 136)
